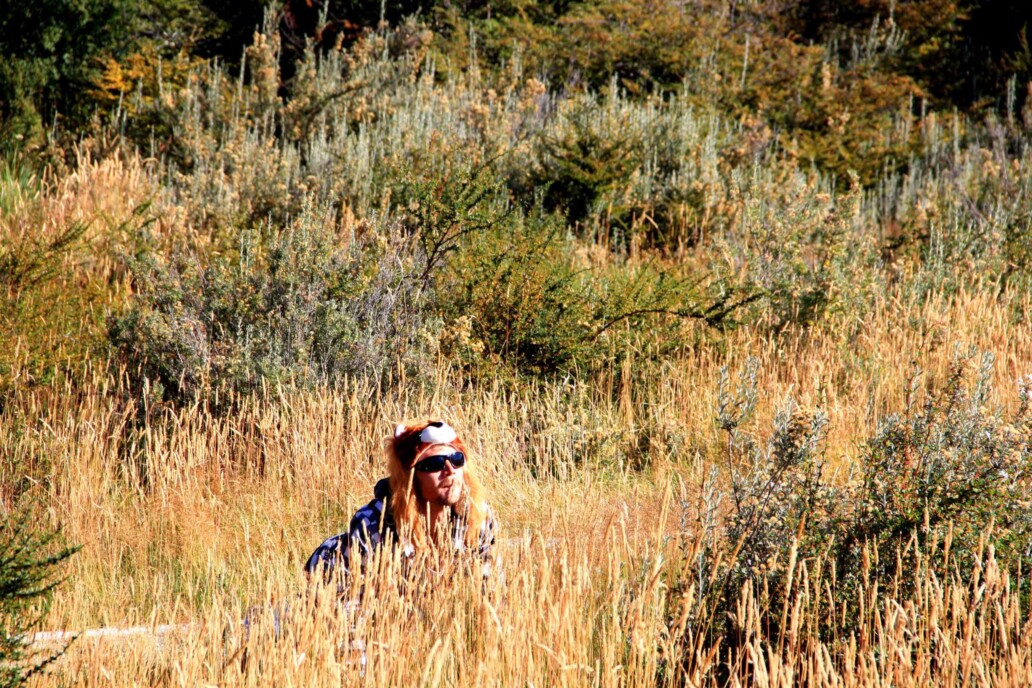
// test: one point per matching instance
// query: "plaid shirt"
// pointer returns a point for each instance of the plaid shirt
(374, 523)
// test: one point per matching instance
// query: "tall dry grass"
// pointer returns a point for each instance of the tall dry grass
(192, 518)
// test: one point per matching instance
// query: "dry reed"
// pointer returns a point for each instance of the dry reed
(190, 518)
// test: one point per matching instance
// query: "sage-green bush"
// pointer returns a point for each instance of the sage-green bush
(948, 475)
(494, 185)
(289, 306)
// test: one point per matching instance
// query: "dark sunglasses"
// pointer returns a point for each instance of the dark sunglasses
(432, 464)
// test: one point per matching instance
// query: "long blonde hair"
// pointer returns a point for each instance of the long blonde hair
(409, 508)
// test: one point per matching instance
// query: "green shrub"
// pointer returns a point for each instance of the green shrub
(519, 295)
(590, 160)
(514, 296)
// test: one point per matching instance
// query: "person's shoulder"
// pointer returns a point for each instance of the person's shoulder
(368, 517)
(364, 529)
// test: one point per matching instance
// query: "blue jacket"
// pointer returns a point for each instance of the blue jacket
(374, 524)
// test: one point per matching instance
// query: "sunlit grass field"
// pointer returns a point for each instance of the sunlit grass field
(207, 520)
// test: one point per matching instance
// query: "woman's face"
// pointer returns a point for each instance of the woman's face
(443, 487)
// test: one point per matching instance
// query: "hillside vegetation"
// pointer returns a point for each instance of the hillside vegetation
(730, 302)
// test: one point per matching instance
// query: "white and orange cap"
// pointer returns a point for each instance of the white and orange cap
(412, 440)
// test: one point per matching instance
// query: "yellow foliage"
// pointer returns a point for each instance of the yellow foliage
(141, 78)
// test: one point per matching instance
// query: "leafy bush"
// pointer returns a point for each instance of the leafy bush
(29, 564)
(777, 491)
(518, 295)
(514, 295)
(949, 463)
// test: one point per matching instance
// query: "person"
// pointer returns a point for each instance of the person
(430, 498)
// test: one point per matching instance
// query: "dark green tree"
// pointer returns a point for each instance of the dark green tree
(48, 56)
(30, 562)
